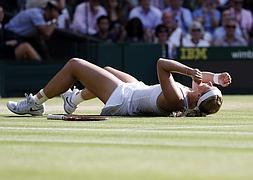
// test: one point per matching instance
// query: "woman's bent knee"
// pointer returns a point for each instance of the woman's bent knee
(75, 61)
(108, 68)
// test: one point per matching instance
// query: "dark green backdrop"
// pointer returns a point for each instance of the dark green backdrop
(136, 59)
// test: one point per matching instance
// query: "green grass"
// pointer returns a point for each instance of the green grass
(215, 147)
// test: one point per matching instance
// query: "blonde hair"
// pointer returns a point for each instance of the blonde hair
(211, 105)
(208, 103)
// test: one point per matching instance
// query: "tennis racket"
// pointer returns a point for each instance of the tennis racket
(71, 117)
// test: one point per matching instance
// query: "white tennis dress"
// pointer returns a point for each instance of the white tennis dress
(130, 99)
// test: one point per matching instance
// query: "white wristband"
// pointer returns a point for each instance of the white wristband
(53, 21)
(216, 78)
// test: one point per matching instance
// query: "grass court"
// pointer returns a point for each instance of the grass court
(219, 146)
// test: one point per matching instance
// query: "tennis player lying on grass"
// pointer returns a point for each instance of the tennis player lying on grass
(123, 95)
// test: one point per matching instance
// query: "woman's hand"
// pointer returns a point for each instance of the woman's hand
(196, 75)
(224, 79)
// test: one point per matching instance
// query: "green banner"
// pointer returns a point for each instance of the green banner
(215, 53)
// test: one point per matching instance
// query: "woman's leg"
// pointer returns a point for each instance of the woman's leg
(127, 78)
(99, 81)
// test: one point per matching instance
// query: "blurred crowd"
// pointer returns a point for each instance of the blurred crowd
(25, 25)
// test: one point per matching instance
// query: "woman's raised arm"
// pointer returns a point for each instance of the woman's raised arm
(223, 79)
(165, 67)
(171, 92)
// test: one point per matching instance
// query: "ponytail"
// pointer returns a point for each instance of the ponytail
(189, 113)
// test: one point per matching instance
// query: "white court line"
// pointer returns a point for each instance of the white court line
(135, 143)
(169, 127)
(195, 126)
(129, 130)
(172, 127)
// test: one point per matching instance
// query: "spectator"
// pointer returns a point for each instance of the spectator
(182, 15)
(208, 15)
(34, 25)
(35, 21)
(20, 51)
(86, 15)
(243, 16)
(118, 32)
(63, 21)
(117, 19)
(175, 33)
(220, 32)
(103, 33)
(14, 50)
(115, 12)
(162, 35)
(134, 31)
(230, 39)
(196, 31)
(149, 15)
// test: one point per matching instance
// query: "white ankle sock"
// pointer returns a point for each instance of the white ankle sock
(42, 99)
(77, 98)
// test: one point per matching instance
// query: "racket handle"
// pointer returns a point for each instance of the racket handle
(56, 116)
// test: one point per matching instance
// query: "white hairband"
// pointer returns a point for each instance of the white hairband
(212, 92)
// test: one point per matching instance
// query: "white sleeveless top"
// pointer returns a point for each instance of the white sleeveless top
(144, 101)
(137, 99)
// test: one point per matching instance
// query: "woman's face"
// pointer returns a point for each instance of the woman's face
(199, 90)
(204, 88)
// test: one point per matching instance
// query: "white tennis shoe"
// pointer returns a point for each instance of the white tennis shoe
(69, 106)
(26, 106)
